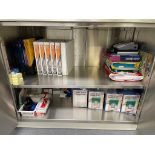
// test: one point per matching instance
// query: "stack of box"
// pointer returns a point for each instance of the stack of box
(122, 101)
(95, 99)
(125, 101)
(54, 57)
(123, 62)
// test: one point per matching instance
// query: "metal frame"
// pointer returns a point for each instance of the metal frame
(81, 24)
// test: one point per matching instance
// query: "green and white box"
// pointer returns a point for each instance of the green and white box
(96, 100)
(80, 98)
(130, 103)
(113, 102)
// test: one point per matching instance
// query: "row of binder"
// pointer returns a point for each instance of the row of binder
(47, 57)
(53, 57)
(21, 56)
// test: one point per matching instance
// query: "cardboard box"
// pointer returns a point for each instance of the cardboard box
(37, 57)
(58, 58)
(130, 102)
(95, 100)
(43, 58)
(53, 54)
(113, 101)
(54, 58)
(80, 98)
(41, 111)
(48, 57)
(67, 54)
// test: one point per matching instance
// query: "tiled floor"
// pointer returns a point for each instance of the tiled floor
(40, 131)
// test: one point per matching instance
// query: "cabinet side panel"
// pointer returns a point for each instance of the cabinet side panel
(147, 119)
(8, 119)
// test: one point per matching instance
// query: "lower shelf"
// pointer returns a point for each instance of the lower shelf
(61, 114)
(88, 115)
(77, 125)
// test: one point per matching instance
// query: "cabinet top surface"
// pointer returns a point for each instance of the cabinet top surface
(81, 22)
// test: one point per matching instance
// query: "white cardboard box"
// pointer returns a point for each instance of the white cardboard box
(67, 53)
(43, 58)
(37, 57)
(53, 54)
(96, 100)
(38, 108)
(130, 103)
(79, 98)
(113, 102)
(58, 58)
(48, 57)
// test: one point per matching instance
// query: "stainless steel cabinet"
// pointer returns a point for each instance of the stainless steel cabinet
(89, 37)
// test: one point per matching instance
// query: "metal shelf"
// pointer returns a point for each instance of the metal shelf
(77, 125)
(82, 23)
(84, 115)
(80, 77)
(61, 109)
(61, 114)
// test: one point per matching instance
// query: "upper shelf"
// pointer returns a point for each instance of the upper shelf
(80, 77)
(82, 23)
